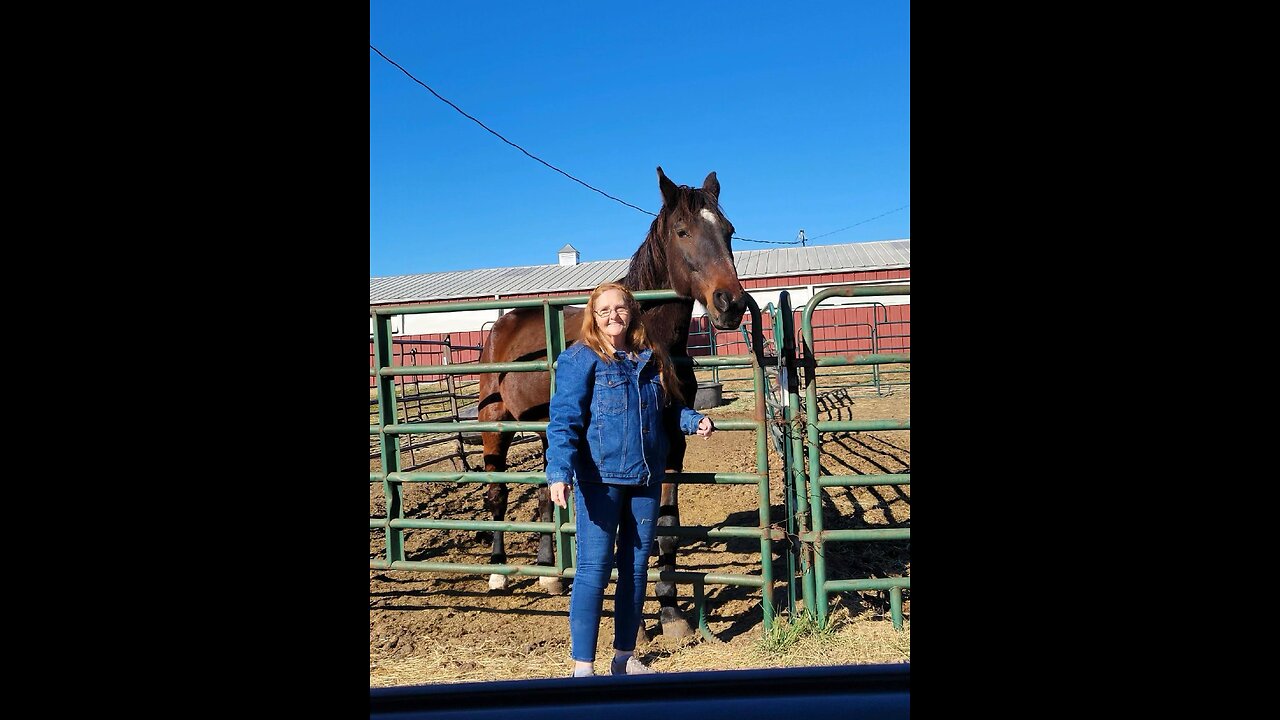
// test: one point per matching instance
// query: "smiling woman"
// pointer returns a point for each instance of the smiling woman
(606, 443)
(688, 249)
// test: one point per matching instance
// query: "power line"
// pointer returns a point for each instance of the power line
(833, 232)
(486, 127)
(771, 242)
(590, 187)
(804, 240)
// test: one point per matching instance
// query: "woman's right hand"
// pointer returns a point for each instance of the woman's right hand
(559, 494)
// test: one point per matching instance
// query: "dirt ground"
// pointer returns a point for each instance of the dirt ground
(413, 615)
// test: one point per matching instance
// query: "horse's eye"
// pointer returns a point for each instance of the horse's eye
(682, 233)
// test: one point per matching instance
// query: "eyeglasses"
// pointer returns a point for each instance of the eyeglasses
(606, 314)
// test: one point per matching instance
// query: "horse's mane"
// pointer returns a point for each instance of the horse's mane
(648, 269)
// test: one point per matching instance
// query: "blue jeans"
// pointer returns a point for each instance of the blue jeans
(628, 515)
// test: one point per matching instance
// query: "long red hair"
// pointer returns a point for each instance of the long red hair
(636, 338)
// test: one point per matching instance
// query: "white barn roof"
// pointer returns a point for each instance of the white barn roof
(534, 279)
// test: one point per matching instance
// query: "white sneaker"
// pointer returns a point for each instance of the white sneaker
(631, 667)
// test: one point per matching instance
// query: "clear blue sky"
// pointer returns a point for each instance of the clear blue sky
(802, 109)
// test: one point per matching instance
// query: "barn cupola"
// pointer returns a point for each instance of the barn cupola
(568, 255)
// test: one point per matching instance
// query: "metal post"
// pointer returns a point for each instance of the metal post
(786, 351)
(762, 464)
(803, 552)
(453, 399)
(390, 444)
(875, 350)
(817, 574)
(553, 326)
(711, 335)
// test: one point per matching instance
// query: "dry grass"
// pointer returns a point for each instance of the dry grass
(483, 659)
(866, 639)
(856, 643)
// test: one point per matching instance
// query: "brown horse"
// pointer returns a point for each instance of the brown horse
(688, 250)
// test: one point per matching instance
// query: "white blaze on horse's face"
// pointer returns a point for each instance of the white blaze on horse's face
(710, 217)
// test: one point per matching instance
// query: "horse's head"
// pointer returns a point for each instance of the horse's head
(695, 236)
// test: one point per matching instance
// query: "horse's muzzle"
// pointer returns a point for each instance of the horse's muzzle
(726, 311)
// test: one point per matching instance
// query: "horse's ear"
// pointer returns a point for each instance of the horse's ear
(668, 189)
(711, 186)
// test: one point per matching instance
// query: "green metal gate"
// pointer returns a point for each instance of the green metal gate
(776, 413)
(807, 487)
(392, 479)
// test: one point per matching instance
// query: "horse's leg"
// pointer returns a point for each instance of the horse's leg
(673, 623)
(495, 497)
(546, 543)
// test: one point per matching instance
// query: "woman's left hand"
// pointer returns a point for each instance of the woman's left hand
(706, 427)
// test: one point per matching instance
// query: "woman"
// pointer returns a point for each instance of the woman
(606, 431)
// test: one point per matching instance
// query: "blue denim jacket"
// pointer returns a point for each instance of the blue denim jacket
(607, 420)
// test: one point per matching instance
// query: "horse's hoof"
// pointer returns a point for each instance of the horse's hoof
(676, 627)
(497, 582)
(550, 584)
(642, 636)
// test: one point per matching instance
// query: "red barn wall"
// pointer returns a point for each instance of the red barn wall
(837, 330)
